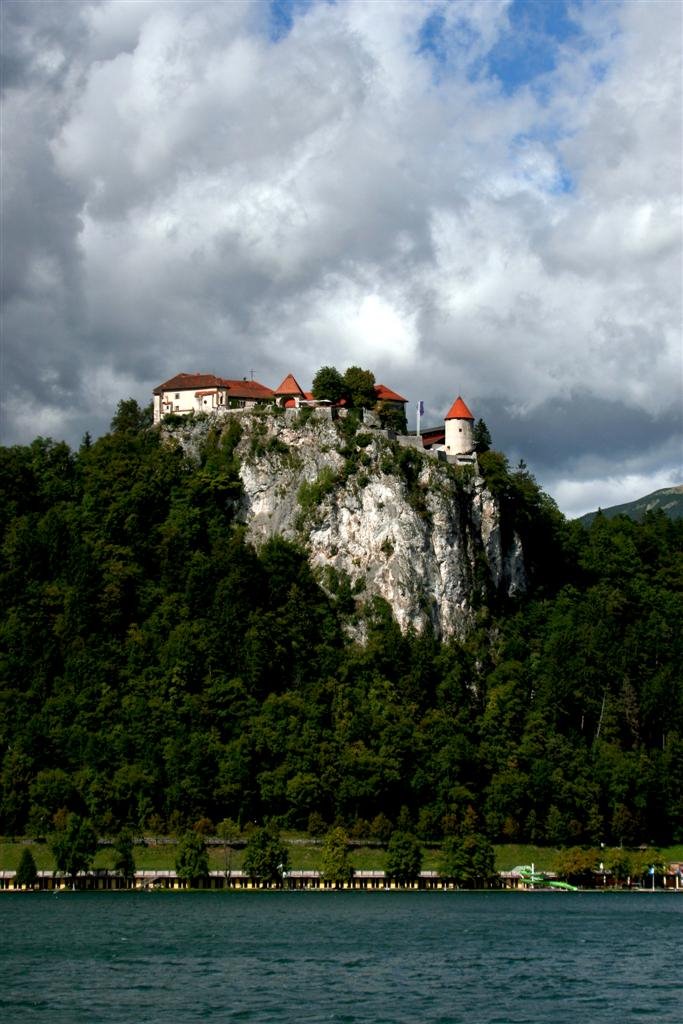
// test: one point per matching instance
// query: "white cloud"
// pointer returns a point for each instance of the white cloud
(187, 190)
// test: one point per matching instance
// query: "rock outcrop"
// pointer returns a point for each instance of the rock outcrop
(424, 535)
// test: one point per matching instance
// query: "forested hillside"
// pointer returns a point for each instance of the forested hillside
(156, 669)
(669, 499)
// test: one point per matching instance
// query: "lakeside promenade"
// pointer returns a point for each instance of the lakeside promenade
(103, 879)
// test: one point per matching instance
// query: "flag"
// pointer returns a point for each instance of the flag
(421, 408)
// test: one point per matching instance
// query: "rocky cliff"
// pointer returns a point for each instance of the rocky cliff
(394, 521)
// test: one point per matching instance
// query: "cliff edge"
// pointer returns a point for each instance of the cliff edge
(393, 520)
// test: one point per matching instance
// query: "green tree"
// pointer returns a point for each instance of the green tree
(393, 417)
(468, 860)
(481, 437)
(360, 387)
(618, 863)
(124, 857)
(454, 863)
(335, 866)
(266, 858)
(74, 846)
(130, 416)
(555, 826)
(328, 385)
(482, 859)
(316, 824)
(404, 858)
(27, 873)
(381, 828)
(191, 862)
(576, 865)
(227, 830)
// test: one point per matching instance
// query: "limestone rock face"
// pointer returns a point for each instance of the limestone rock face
(424, 535)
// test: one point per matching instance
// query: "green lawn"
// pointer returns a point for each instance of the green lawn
(304, 855)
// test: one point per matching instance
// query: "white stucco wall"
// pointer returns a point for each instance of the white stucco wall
(184, 401)
(459, 436)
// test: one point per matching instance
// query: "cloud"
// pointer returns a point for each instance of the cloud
(467, 198)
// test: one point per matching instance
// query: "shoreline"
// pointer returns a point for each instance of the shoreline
(103, 880)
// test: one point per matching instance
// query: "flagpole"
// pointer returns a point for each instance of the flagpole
(419, 412)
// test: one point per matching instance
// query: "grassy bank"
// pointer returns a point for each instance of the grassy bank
(304, 855)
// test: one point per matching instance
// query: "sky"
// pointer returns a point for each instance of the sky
(478, 197)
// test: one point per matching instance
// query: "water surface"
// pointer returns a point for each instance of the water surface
(376, 958)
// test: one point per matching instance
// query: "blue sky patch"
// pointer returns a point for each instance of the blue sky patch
(282, 14)
(530, 48)
(527, 50)
(431, 39)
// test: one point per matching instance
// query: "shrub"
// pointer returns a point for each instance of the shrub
(311, 494)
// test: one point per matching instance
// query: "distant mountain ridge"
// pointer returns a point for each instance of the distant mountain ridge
(669, 499)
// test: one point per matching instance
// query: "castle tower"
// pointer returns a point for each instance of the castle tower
(289, 391)
(459, 423)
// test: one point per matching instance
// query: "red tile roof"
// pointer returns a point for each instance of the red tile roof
(385, 394)
(246, 389)
(289, 386)
(189, 382)
(458, 411)
(200, 381)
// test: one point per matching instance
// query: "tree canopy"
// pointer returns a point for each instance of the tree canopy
(266, 857)
(74, 845)
(124, 855)
(360, 387)
(161, 670)
(336, 866)
(192, 863)
(328, 385)
(404, 858)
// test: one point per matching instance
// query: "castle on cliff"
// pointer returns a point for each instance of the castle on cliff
(192, 393)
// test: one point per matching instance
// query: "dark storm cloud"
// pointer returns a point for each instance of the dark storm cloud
(564, 432)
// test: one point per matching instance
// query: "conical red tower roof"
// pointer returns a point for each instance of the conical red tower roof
(289, 386)
(458, 411)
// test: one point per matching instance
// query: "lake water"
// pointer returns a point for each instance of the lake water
(376, 958)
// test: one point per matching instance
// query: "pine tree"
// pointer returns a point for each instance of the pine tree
(27, 873)
(482, 437)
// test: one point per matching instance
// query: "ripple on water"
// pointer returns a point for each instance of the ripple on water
(359, 959)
